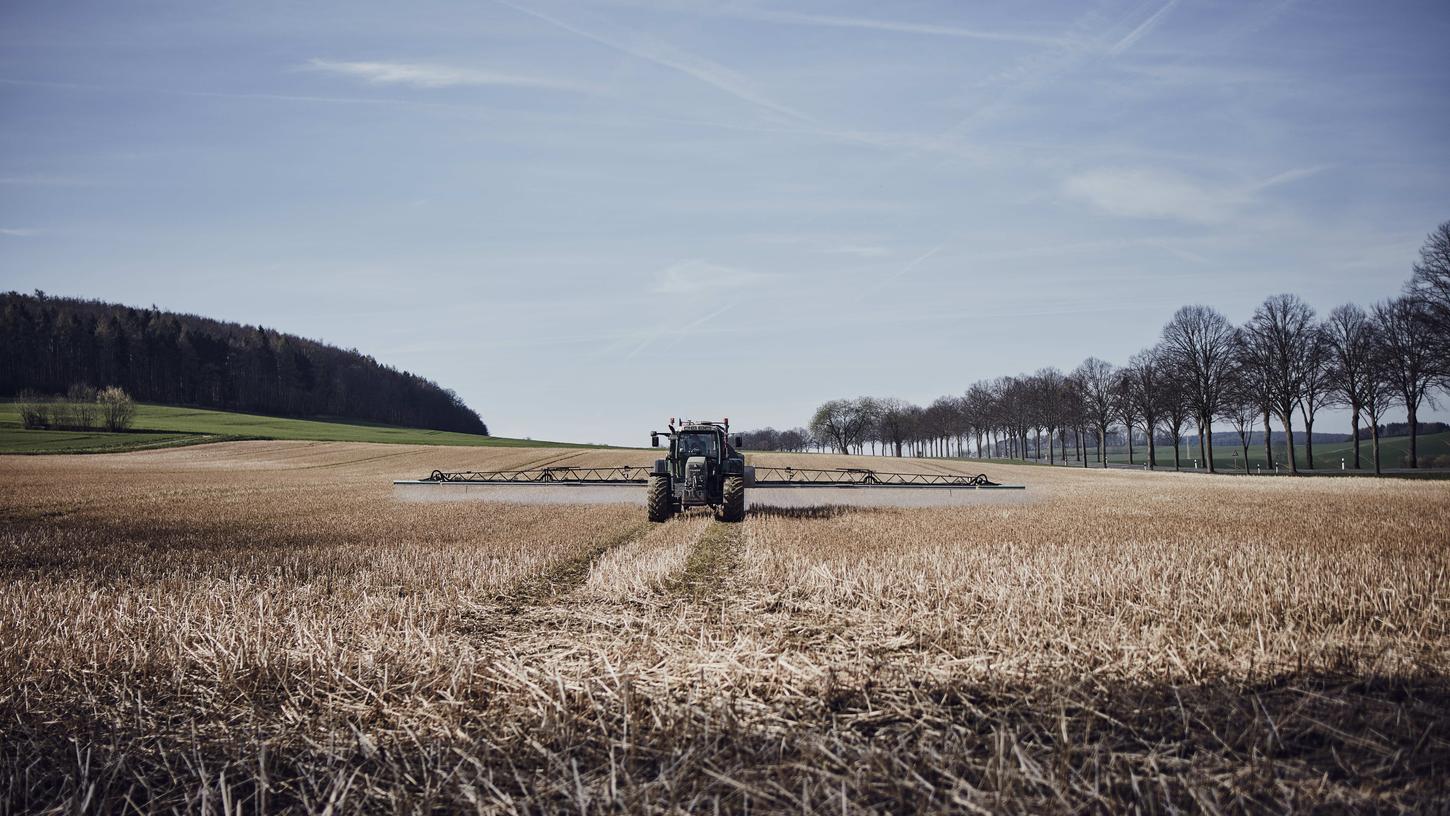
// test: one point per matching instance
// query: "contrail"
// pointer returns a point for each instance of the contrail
(710, 73)
(910, 265)
(658, 333)
(795, 18)
(1143, 28)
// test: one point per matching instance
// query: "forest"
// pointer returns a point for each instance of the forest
(51, 344)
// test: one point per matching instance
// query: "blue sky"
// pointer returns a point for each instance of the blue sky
(586, 218)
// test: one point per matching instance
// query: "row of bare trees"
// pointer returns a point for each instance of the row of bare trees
(1284, 364)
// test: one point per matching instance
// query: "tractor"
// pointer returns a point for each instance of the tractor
(703, 469)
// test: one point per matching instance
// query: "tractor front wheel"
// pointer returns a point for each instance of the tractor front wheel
(661, 506)
(733, 506)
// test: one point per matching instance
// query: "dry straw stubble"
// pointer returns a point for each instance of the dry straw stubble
(262, 624)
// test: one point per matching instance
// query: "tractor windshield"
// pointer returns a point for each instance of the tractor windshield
(699, 444)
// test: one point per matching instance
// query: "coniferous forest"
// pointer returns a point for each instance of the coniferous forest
(48, 344)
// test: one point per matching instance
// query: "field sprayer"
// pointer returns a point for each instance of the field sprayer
(705, 468)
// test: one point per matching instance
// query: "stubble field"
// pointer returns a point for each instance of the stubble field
(262, 626)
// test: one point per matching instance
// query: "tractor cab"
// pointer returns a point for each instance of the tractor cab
(694, 442)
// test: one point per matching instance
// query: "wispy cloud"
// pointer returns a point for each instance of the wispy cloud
(432, 75)
(858, 250)
(698, 275)
(860, 245)
(651, 50)
(931, 29)
(18, 232)
(1142, 29)
(1150, 193)
(1154, 193)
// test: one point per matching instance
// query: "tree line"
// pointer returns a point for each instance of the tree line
(50, 344)
(1283, 365)
(81, 409)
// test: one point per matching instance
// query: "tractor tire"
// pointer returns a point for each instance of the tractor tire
(661, 504)
(733, 507)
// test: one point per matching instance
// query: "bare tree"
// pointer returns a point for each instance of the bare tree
(990, 394)
(1198, 343)
(1177, 411)
(872, 435)
(840, 422)
(1276, 344)
(1241, 409)
(1351, 346)
(959, 424)
(35, 409)
(1318, 389)
(1407, 349)
(979, 408)
(1074, 410)
(1377, 396)
(1431, 284)
(761, 439)
(1144, 378)
(1249, 387)
(1049, 384)
(1125, 407)
(117, 408)
(944, 422)
(1098, 381)
(915, 421)
(1016, 403)
(869, 411)
(82, 399)
(892, 423)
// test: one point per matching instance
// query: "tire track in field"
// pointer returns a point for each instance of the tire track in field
(512, 608)
(549, 460)
(713, 558)
(346, 462)
(643, 571)
(558, 599)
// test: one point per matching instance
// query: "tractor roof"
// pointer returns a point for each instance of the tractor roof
(697, 425)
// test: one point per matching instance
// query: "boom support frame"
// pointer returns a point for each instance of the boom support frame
(785, 476)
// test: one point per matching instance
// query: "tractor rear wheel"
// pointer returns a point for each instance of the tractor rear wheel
(661, 506)
(733, 506)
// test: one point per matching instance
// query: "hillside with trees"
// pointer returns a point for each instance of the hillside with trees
(1283, 367)
(49, 345)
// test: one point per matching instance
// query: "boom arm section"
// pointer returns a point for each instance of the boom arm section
(764, 477)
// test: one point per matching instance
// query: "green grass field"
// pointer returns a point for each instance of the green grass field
(166, 426)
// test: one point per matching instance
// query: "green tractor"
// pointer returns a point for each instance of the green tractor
(703, 469)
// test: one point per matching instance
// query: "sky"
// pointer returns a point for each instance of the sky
(586, 218)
